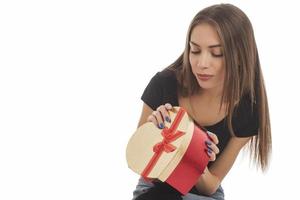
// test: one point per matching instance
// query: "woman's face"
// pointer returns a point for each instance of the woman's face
(206, 57)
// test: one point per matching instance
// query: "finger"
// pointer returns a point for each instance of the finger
(152, 118)
(168, 106)
(159, 119)
(213, 137)
(212, 146)
(211, 154)
(164, 112)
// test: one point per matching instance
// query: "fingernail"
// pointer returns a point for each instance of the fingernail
(208, 142)
(209, 132)
(209, 148)
(161, 125)
(209, 151)
(168, 119)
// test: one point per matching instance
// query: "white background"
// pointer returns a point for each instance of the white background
(71, 77)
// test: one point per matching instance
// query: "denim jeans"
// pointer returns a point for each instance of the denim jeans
(143, 186)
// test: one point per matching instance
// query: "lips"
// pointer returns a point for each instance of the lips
(204, 77)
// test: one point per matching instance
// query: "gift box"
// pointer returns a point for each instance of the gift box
(175, 155)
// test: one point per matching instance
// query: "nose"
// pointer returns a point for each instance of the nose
(203, 60)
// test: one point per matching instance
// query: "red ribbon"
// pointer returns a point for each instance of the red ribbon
(169, 135)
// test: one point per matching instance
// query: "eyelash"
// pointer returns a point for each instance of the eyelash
(214, 55)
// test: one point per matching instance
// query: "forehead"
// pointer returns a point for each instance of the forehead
(205, 34)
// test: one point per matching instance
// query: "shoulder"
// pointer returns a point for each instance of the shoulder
(245, 108)
(245, 118)
(166, 77)
(163, 80)
(161, 89)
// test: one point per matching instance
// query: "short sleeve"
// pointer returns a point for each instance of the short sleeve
(153, 93)
(245, 120)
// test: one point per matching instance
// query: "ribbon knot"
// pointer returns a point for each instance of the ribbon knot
(168, 137)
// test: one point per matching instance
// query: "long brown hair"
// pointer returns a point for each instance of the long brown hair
(243, 76)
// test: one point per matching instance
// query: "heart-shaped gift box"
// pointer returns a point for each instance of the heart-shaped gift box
(175, 154)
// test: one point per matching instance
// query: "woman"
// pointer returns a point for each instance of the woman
(219, 82)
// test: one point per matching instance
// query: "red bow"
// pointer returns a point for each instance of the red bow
(169, 135)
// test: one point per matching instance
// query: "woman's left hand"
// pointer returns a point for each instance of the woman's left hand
(212, 149)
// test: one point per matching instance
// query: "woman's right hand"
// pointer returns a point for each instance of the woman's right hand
(160, 115)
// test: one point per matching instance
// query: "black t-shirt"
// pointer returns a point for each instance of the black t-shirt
(162, 89)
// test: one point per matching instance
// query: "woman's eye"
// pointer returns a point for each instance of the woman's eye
(217, 55)
(195, 51)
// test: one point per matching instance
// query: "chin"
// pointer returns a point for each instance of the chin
(205, 85)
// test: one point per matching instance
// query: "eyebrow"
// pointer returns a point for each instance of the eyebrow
(210, 46)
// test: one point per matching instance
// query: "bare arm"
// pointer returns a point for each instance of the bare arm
(145, 114)
(209, 182)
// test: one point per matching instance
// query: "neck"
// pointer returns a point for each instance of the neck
(211, 94)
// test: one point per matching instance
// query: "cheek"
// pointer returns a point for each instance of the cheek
(193, 62)
(220, 68)
(221, 73)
